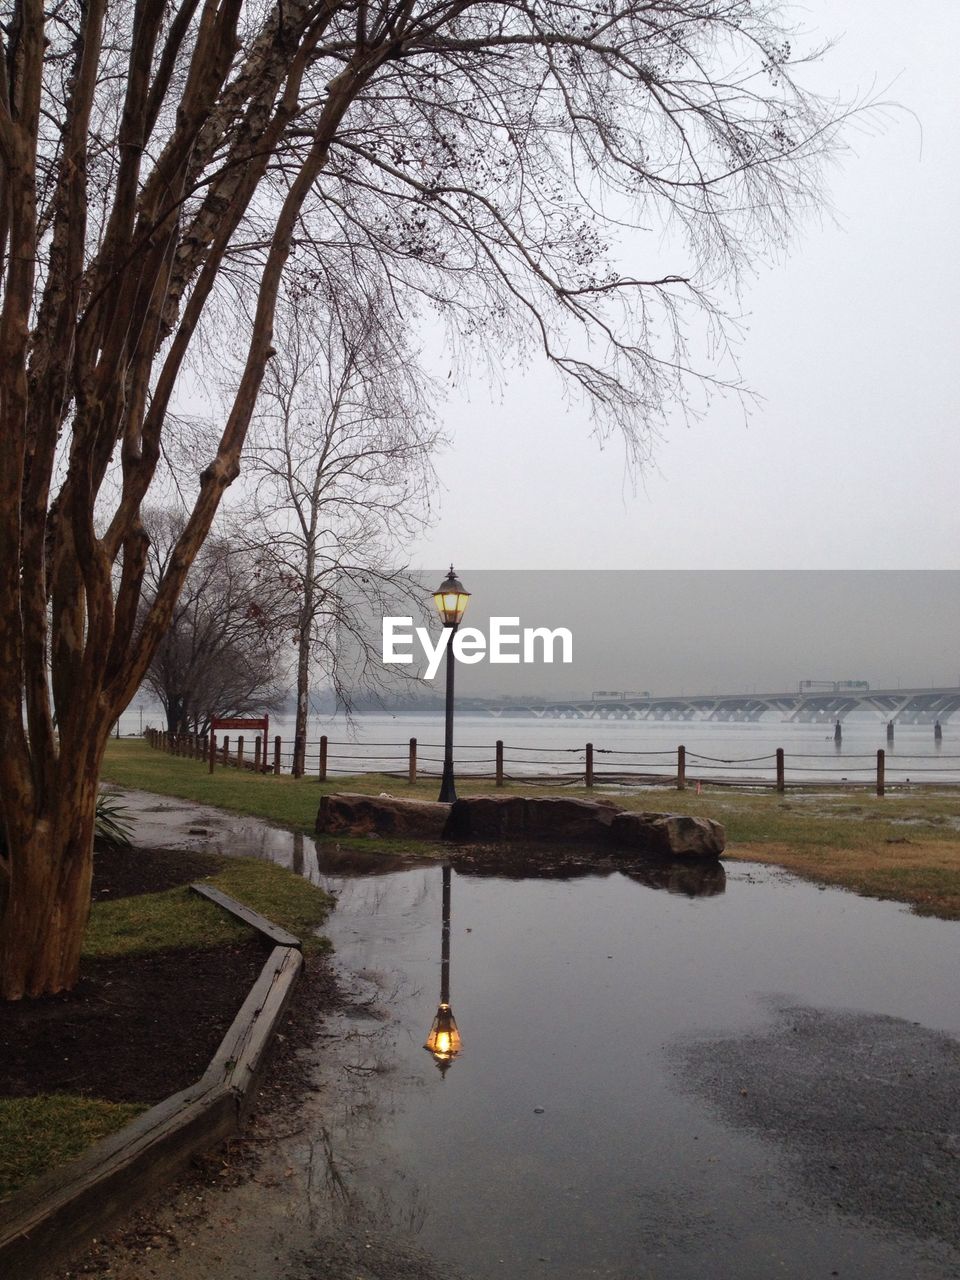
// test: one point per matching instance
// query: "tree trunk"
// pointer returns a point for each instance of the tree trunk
(303, 698)
(177, 715)
(48, 898)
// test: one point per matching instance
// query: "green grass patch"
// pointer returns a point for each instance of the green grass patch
(37, 1134)
(291, 802)
(158, 922)
(280, 895)
(181, 918)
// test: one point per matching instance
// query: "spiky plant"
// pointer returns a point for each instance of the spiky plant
(112, 826)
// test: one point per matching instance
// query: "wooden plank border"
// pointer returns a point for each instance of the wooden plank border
(239, 1060)
(59, 1215)
(272, 932)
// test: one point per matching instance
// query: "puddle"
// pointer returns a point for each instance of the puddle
(571, 1138)
(632, 1100)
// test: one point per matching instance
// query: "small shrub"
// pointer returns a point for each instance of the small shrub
(112, 826)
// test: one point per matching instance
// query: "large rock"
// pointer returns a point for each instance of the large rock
(352, 814)
(558, 819)
(667, 835)
(597, 825)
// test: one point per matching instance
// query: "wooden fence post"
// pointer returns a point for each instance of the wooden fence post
(323, 758)
(780, 773)
(240, 752)
(226, 749)
(588, 770)
(499, 763)
(412, 762)
(681, 768)
(213, 749)
(257, 753)
(276, 754)
(881, 766)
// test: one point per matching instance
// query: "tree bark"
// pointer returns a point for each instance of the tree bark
(47, 901)
(303, 682)
(304, 632)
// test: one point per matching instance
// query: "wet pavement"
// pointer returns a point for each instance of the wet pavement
(749, 1078)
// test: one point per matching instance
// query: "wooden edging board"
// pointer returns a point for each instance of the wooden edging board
(272, 932)
(239, 1059)
(61, 1213)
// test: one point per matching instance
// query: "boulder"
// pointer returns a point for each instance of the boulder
(667, 835)
(598, 825)
(558, 819)
(353, 814)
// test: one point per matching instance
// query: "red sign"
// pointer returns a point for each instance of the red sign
(235, 722)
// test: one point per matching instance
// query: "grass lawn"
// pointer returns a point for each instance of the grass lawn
(181, 918)
(905, 845)
(37, 1134)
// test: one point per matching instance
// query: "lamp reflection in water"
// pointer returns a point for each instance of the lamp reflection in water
(444, 1039)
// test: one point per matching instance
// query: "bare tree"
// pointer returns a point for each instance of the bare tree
(163, 162)
(340, 449)
(221, 654)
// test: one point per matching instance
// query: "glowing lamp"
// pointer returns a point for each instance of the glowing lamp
(451, 600)
(444, 1039)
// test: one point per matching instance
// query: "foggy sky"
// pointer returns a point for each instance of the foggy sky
(851, 460)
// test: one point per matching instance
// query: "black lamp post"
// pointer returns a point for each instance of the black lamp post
(444, 1039)
(451, 601)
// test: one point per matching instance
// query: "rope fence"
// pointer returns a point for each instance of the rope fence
(587, 766)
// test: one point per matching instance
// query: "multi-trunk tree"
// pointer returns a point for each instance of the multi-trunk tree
(165, 163)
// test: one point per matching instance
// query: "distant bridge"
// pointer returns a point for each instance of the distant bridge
(902, 706)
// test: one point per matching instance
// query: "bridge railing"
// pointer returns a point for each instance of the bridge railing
(586, 766)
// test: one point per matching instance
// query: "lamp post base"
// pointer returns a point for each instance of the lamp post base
(448, 792)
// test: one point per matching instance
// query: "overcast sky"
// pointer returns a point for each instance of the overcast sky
(851, 460)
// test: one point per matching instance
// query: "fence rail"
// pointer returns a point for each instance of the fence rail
(589, 766)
